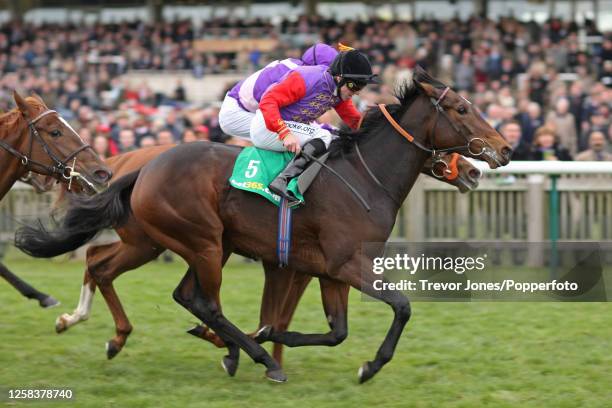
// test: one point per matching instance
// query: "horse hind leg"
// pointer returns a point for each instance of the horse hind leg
(206, 306)
(105, 263)
(184, 294)
(83, 309)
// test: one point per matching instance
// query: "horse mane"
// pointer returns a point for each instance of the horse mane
(373, 118)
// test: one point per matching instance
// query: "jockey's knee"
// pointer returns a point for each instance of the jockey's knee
(324, 135)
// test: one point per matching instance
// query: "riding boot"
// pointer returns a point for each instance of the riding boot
(296, 166)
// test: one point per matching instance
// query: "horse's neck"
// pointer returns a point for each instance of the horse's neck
(394, 161)
(10, 166)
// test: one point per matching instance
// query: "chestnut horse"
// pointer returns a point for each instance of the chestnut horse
(34, 138)
(183, 202)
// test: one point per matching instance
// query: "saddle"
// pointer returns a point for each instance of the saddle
(255, 168)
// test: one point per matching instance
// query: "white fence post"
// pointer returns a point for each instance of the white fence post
(536, 200)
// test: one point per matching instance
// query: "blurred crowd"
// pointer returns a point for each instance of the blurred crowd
(546, 87)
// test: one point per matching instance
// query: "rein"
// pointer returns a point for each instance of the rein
(59, 167)
(450, 172)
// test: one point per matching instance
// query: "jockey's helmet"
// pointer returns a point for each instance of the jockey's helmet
(319, 54)
(354, 70)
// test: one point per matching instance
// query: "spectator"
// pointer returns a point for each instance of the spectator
(101, 146)
(565, 125)
(188, 136)
(147, 141)
(597, 149)
(104, 130)
(165, 137)
(546, 146)
(596, 123)
(464, 72)
(511, 131)
(127, 141)
(530, 121)
(576, 99)
(202, 132)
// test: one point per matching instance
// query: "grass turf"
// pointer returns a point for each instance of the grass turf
(451, 354)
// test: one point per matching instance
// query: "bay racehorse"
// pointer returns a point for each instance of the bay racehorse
(34, 138)
(183, 202)
(451, 168)
(284, 287)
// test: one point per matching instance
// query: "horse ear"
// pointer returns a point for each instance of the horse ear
(429, 90)
(38, 98)
(22, 105)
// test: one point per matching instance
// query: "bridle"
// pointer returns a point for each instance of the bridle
(447, 170)
(439, 111)
(436, 154)
(60, 169)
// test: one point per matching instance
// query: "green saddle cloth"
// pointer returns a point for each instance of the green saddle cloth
(256, 168)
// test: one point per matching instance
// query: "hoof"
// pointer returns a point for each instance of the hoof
(365, 372)
(276, 375)
(112, 349)
(48, 302)
(60, 324)
(198, 331)
(229, 365)
(263, 334)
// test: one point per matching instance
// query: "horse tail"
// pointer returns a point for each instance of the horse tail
(85, 217)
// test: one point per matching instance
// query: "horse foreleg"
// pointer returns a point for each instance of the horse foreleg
(27, 290)
(282, 292)
(358, 273)
(335, 303)
(83, 309)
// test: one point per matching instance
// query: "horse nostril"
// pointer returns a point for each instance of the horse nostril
(103, 175)
(475, 174)
(507, 151)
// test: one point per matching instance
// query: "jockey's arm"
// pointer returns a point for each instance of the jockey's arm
(348, 113)
(286, 92)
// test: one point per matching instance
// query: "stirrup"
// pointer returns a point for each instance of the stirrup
(285, 194)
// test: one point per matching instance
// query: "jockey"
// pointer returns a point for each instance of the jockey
(282, 122)
(241, 102)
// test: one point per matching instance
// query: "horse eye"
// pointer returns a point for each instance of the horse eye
(56, 133)
(462, 110)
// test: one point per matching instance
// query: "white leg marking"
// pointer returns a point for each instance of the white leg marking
(81, 312)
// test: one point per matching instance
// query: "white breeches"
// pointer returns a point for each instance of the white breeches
(235, 121)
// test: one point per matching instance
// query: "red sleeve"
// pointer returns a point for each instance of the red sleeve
(349, 114)
(290, 90)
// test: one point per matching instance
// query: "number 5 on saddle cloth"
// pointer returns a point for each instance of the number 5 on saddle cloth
(255, 169)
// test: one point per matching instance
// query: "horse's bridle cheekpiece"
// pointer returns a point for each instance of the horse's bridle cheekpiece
(59, 167)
